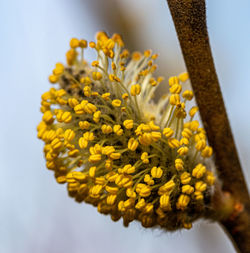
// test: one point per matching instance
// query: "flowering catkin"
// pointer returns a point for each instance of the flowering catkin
(115, 147)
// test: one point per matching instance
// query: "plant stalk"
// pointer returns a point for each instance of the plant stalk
(189, 18)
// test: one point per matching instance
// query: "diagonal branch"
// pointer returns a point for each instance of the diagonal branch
(189, 17)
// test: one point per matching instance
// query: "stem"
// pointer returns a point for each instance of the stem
(189, 18)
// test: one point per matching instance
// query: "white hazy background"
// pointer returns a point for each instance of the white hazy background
(36, 215)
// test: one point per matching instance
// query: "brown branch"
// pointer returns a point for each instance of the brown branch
(189, 17)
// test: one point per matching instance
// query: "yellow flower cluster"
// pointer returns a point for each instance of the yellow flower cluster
(118, 150)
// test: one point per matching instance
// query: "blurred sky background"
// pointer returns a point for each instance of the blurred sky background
(36, 214)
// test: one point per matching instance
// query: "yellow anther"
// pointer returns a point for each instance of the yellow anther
(184, 141)
(153, 126)
(146, 139)
(71, 56)
(183, 77)
(74, 43)
(188, 189)
(118, 39)
(116, 102)
(79, 109)
(106, 96)
(89, 136)
(210, 178)
(136, 56)
(95, 158)
(200, 186)
(108, 164)
(113, 66)
(132, 144)
(130, 193)
(66, 117)
(198, 195)
(173, 143)
(194, 125)
(129, 203)
(90, 108)
(111, 190)
(175, 89)
(53, 78)
(56, 143)
(179, 164)
(48, 117)
(144, 157)
(87, 91)
(188, 94)
(148, 208)
(185, 178)
(117, 130)
(61, 180)
(125, 96)
(156, 172)
(147, 53)
(86, 80)
(129, 123)
(143, 190)
(92, 171)
(100, 180)
(111, 199)
(207, 152)
(173, 80)
(84, 125)
(58, 71)
(96, 75)
(148, 180)
(187, 225)
(92, 44)
(193, 111)
(94, 94)
(135, 89)
(83, 143)
(121, 207)
(115, 156)
(174, 99)
(182, 202)
(200, 145)
(69, 135)
(72, 102)
(108, 150)
(95, 63)
(73, 153)
(106, 129)
(199, 171)
(186, 133)
(165, 202)
(79, 176)
(60, 93)
(96, 116)
(95, 190)
(168, 132)
(155, 136)
(182, 150)
(128, 169)
(140, 204)
(153, 82)
(83, 43)
(114, 78)
(167, 187)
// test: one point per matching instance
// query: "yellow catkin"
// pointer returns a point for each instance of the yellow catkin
(115, 146)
